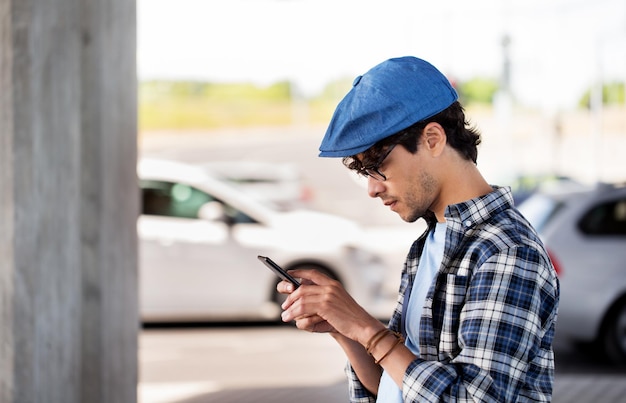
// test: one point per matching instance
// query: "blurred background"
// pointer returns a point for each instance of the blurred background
(545, 75)
(234, 98)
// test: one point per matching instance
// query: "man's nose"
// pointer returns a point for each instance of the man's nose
(374, 186)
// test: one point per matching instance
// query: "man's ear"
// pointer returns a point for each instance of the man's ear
(434, 138)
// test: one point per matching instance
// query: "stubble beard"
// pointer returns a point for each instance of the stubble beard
(419, 197)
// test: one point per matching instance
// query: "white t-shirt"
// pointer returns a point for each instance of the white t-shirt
(388, 391)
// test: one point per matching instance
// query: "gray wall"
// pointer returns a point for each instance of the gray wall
(68, 201)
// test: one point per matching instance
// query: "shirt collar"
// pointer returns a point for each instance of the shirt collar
(478, 210)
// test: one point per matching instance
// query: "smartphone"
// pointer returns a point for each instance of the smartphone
(282, 273)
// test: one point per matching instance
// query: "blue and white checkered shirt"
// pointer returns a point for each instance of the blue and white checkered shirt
(489, 318)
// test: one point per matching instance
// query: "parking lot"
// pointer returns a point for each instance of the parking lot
(262, 363)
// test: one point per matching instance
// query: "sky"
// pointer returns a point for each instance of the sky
(557, 49)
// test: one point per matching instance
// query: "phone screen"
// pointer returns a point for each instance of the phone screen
(282, 273)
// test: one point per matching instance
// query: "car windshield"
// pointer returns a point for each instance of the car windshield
(176, 189)
(538, 210)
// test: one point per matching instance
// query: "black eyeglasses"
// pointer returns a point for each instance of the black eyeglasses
(373, 170)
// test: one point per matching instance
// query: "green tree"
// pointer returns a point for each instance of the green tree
(612, 94)
(478, 90)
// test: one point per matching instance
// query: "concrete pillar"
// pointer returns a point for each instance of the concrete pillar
(68, 201)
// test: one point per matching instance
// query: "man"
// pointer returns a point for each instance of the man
(478, 298)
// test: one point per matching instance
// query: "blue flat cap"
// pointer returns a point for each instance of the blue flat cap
(388, 98)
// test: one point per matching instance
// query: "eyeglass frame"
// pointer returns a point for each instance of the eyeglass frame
(373, 170)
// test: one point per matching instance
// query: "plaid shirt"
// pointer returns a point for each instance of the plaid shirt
(489, 317)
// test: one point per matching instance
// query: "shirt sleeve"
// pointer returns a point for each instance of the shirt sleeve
(357, 392)
(496, 333)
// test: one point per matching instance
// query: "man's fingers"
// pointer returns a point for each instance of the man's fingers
(312, 275)
(285, 287)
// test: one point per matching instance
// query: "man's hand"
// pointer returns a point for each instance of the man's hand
(322, 305)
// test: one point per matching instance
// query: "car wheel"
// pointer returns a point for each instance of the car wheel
(614, 334)
(280, 298)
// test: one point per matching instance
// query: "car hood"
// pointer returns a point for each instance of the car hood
(315, 221)
(301, 229)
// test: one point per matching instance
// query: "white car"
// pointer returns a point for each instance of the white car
(281, 183)
(584, 230)
(199, 242)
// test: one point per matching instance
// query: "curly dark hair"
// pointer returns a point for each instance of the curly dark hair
(460, 135)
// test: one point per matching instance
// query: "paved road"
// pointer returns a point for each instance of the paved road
(280, 364)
